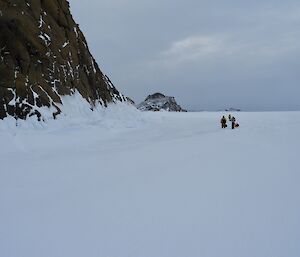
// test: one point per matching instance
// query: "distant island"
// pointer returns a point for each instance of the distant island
(160, 102)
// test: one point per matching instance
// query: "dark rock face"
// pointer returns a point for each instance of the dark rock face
(155, 96)
(158, 102)
(43, 56)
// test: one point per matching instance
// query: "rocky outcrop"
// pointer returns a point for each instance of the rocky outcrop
(159, 102)
(44, 56)
(130, 101)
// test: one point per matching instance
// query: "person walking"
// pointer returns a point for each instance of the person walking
(233, 122)
(223, 122)
(229, 117)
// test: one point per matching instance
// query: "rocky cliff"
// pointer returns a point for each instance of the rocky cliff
(158, 102)
(44, 56)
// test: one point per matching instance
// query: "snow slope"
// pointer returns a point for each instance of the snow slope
(131, 184)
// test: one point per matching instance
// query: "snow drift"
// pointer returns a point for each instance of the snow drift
(164, 184)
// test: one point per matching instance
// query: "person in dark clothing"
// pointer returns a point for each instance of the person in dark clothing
(223, 122)
(232, 122)
(229, 117)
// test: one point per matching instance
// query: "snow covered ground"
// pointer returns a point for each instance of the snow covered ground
(131, 184)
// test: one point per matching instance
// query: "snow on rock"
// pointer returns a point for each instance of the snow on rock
(159, 102)
(76, 111)
(44, 56)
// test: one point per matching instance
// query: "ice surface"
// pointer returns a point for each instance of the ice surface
(120, 183)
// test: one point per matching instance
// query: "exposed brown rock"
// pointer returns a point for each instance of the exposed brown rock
(43, 56)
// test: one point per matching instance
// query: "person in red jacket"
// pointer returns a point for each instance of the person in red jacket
(233, 122)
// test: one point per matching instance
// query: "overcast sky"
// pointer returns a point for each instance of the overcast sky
(209, 54)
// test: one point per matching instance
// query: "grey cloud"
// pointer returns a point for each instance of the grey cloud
(208, 54)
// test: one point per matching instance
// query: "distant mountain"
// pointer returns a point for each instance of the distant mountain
(232, 110)
(158, 102)
(44, 56)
